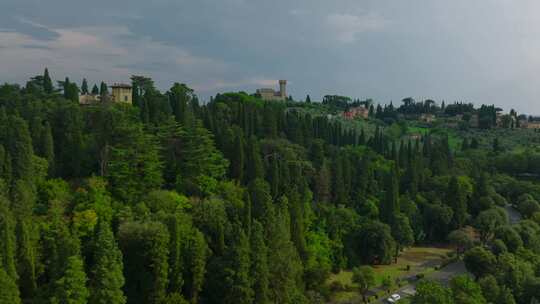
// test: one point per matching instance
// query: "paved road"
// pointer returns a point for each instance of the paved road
(443, 276)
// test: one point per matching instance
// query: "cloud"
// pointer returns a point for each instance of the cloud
(347, 28)
(96, 51)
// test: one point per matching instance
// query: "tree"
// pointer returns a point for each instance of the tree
(134, 167)
(364, 277)
(71, 287)
(466, 291)
(460, 239)
(429, 292)
(390, 204)
(107, 277)
(9, 293)
(197, 255)
(488, 221)
(145, 250)
(402, 232)
(26, 259)
(8, 241)
(84, 86)
(238, 280)
(95, 90)
(308, 99)
(259, 264)
(479, 261)
(47, 82)
(374, 243)
(456, 199)
(388, 284)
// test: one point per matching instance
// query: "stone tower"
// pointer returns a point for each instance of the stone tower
(283, 89)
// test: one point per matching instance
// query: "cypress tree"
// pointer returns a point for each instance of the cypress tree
(390, 203)
(107, 277)
(8, 291)
(8, 240)
(26, 259)
(259, 264)
(197, 255)
(84, 86)
(47, 146)
(95, 90)
(71, 287)
(457, 202)
(145, 250)
(47, 82)
(254, 164)
(19, 146)
(237, 161)
(239, 279)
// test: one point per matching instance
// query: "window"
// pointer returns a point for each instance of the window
(125, 98)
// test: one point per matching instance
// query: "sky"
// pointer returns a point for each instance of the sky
(480, 51)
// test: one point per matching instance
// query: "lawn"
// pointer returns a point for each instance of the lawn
(420, 260)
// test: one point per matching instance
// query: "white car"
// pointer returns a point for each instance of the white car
(394, 298)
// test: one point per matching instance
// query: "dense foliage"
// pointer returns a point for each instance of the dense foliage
(243, 201)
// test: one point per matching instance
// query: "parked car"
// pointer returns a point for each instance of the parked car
(393, 298)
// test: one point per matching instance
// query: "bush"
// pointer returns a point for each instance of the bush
(420, 276)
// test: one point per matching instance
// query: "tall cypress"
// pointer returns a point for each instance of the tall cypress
(8, 291)
(71, 287)
(26, 259)
(84, 86)
(8, 241)
(254, 165)
(390, 203)
(259, 264)
(107, 277)
(47, 82)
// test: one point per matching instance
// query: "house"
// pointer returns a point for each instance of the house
(120, 93)
(426, 117)
(353, 113)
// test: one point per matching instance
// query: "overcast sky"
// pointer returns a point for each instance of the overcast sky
(482, 51)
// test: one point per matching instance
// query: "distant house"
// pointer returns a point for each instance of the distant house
(120, 93)
(426, 117)
(353, 113)
(474, 121)
(533, 125)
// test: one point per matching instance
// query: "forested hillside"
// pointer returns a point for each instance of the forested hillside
(242, 201)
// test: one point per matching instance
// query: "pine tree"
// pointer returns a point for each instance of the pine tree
(107, 278)
(9, 293)
(84, 86)
(47, 82)
(259, 265)
(71, 287)
(308, 99)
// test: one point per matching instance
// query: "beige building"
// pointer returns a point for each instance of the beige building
(120, 93)
(271, 94)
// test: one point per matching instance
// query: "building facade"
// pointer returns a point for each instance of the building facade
(271, 94)
(120, 93)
